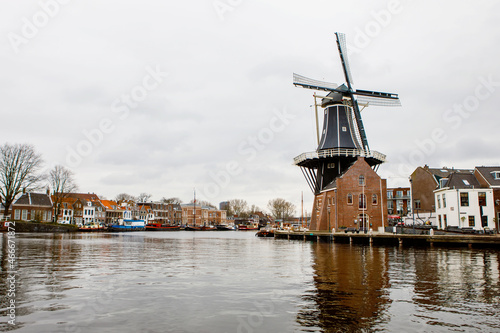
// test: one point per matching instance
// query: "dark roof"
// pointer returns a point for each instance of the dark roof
(486, 172)
(34, 199)
(84, 196)
(445, 172)
(462, 181)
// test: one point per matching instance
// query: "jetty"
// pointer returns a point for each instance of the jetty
(387, 238)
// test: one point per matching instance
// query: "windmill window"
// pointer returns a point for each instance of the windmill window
(344, 129)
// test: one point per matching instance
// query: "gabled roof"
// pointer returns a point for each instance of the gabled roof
(462, 181)
(109, 204)
(488, 174)
(34, 199)
(84, 196)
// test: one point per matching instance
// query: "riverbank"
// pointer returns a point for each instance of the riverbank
(42, 227)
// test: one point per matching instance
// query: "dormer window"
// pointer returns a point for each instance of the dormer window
(466, 182)
(442, 182)
(496, 175)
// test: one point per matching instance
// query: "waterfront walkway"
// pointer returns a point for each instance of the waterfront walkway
(386, 238)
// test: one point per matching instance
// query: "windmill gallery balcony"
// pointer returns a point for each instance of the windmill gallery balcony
(311, 158)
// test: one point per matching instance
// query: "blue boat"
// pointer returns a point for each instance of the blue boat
(128, 225)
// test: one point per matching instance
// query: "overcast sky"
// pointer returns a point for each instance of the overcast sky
(166, 96)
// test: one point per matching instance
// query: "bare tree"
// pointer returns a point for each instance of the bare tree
(62, 183)
(238, 207)
(124, 197)
(19, 170)
(254, 209)
(174, 200)
(203, 203)
(281, 209)
(144, 197)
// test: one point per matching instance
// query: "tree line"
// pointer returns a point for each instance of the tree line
(21, 171)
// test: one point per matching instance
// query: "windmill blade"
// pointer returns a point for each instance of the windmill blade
(378, 101)
(341, 44)
(359, 123)
(299, 80)
(377, 98)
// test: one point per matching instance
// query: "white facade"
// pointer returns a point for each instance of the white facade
(88, 213)
(472, 207)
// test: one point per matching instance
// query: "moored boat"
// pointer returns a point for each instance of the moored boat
(265, 233)
(93, 227)
(128, 225)
(192, 228)
(161, 227)
(224, 227)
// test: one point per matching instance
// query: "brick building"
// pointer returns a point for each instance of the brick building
(399, 201)
(203, 216)
(33, 207)
(356, 199)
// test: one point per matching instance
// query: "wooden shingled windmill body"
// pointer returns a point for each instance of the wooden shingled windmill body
(342, 171)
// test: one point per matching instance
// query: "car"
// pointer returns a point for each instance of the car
(63, 222)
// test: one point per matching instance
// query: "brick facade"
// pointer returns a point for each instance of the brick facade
(342, 204)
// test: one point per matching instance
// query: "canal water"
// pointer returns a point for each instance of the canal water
(232, 281)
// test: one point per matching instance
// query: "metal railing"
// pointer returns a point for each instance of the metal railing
(338, 152)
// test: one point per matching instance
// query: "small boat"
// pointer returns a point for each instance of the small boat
(128, 225)
(161, 227)
(265, 233)
(248, 226)
(192, 228)
(208, 228)
(93, 227)
(224, 227)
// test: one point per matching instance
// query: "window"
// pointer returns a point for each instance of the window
(439, 201)
(390, 205)
(442, 182)
(482, 198)
(444, 201)
(362, 201)
(439, 221)
(361, 180)
(374, 199)
(17, 214)
(484, 221)
(349, 199)
(399, 194)
(25, 215)
(389, 194)
(464, 199)
(445, 221)
(417, 204)
(466, 182)
(472, 222)
(496, 174)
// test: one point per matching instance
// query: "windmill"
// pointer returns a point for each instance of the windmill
(343, 138)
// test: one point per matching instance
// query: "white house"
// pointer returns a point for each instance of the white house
(461, 202)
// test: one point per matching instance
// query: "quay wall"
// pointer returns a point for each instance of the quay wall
(42, 227)
(492, 241)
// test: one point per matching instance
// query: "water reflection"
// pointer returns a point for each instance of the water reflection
(367, 289)
(350, 288)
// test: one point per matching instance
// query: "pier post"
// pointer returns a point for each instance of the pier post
(400, 241)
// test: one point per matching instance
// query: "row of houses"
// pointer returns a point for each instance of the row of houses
(457, 198)
(88, 208)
